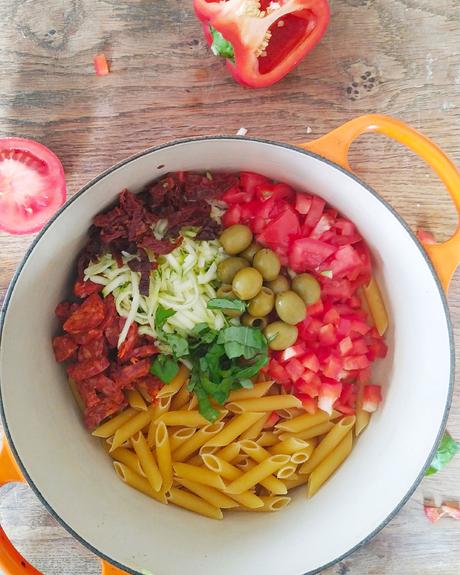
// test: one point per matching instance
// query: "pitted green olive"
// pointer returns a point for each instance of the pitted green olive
(254, 321)
(268, 263)
(251, 251)
(263, 303)
(227, 269)
(307, 287)
(279, 284)
(280, 335)
(247, 283)
(235, 239)
(290, 307)
(225, 291)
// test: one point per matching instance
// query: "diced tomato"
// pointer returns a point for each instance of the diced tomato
(308, 403)
(328, 395)
(360, 326)
(294, 369)
(278, 232)
(324, 224)
(314, 214)
(293, 351)
(307, 254)
(331, 316)
(426, 237)
(311, 362)
(275, 192)
(32, 185)
(345, 346)
(309, 383)
(250, 181)
(372, 396)
(316, 308)
(101, 66)
(232, 216)
(346, 258)
(345, 226)
(327, 335)
(235, 195)
(277, 372)
(344, 327)
(364, 375)
(339, 289)
(360, 347)
(302, 203)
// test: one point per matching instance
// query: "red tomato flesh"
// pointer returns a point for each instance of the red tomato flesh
(32, 185)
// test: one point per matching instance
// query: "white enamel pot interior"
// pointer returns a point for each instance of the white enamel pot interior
(72, 475)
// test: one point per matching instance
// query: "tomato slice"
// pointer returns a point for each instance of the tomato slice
(32, 185)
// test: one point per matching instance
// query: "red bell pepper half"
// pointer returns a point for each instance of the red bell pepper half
(262, 40)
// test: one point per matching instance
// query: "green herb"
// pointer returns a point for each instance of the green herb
(227, 303)
(165, 367)
(240, 340)
(161, 315)
(448, 447)
(220, 46)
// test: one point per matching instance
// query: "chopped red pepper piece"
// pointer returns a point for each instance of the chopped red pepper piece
(101, 65)
(262, 40)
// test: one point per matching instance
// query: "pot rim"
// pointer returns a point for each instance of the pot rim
(294, 148)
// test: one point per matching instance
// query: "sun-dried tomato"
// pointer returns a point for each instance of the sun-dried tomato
(64, 347)
(87, 316)
(88, 368)
(150, 384)
(130, 342)
(83, 289)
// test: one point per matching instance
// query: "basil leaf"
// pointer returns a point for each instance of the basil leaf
(220, 46)
(227, 303)
(446, 451)
(242, 341)
(161, 315)
(177, 343)
(204, 405)
(246, 383)
(165, 368)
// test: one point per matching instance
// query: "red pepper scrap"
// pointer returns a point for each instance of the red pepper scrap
(262, 40)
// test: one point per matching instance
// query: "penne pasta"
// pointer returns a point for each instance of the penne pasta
(209, 494)
(129, 458)
(136, 401)
(163, 452)
(288, 446)
(286, 471)
(132, 426)
(329, 443)
(376, 306)
(208, 449)
(273, 503)
(180, 436)
(145, 394)
(147, 460)
(290, 413)
(306, 421)
(329, 464)
(257, 474)
(303, 455)
(295, 481)
(193, 404)
(110, 427)
(309, 433)
(169, 389)
(160, 407)
(256, 428)
(258, 390)
(267, 403)
(186, 449)
(137, 482)
(184, 419)
(194, 503)
(229, 452)
(234, 429)
(181, 398)
(362, 421)
(195, 460)
(267, 438)
(199, 475)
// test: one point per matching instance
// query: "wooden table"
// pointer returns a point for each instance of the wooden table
(164, 85)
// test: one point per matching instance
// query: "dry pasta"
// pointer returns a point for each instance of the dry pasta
(161, 407)
(256, 428)
(209, 494)
(163, 452)
(180, 436)
(110, 427)
(129, 458)
(259, 390)
(376, 306)
(194, 503)
(177, 382)
(199, 475)
(132, 426)
(196, 441)
(257, 473)
(134, 480)
(234, 429)
(267, 403)
(333, 461)
(136, 401)
(181, 398)
(305, 421)
(147, 460)
(288, 446)
(311, 432)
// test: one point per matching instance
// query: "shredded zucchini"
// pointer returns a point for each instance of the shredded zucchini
(185, 280)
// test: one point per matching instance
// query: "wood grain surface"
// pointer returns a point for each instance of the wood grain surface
(398, 57)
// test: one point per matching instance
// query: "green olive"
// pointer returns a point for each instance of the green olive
(268, 263)
(279, 284)
(225, 291)
(263, 303)
(247, 283)
(251, 251)
(290, 307)
(307, 287)
(235, 239)
(254, 321)
(280, 335)
(228, 268)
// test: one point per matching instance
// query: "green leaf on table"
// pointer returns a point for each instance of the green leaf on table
(165, 367)
(448, 447)
(227, 303)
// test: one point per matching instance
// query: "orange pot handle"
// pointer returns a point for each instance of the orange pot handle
(11, 561)
(335, 146)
